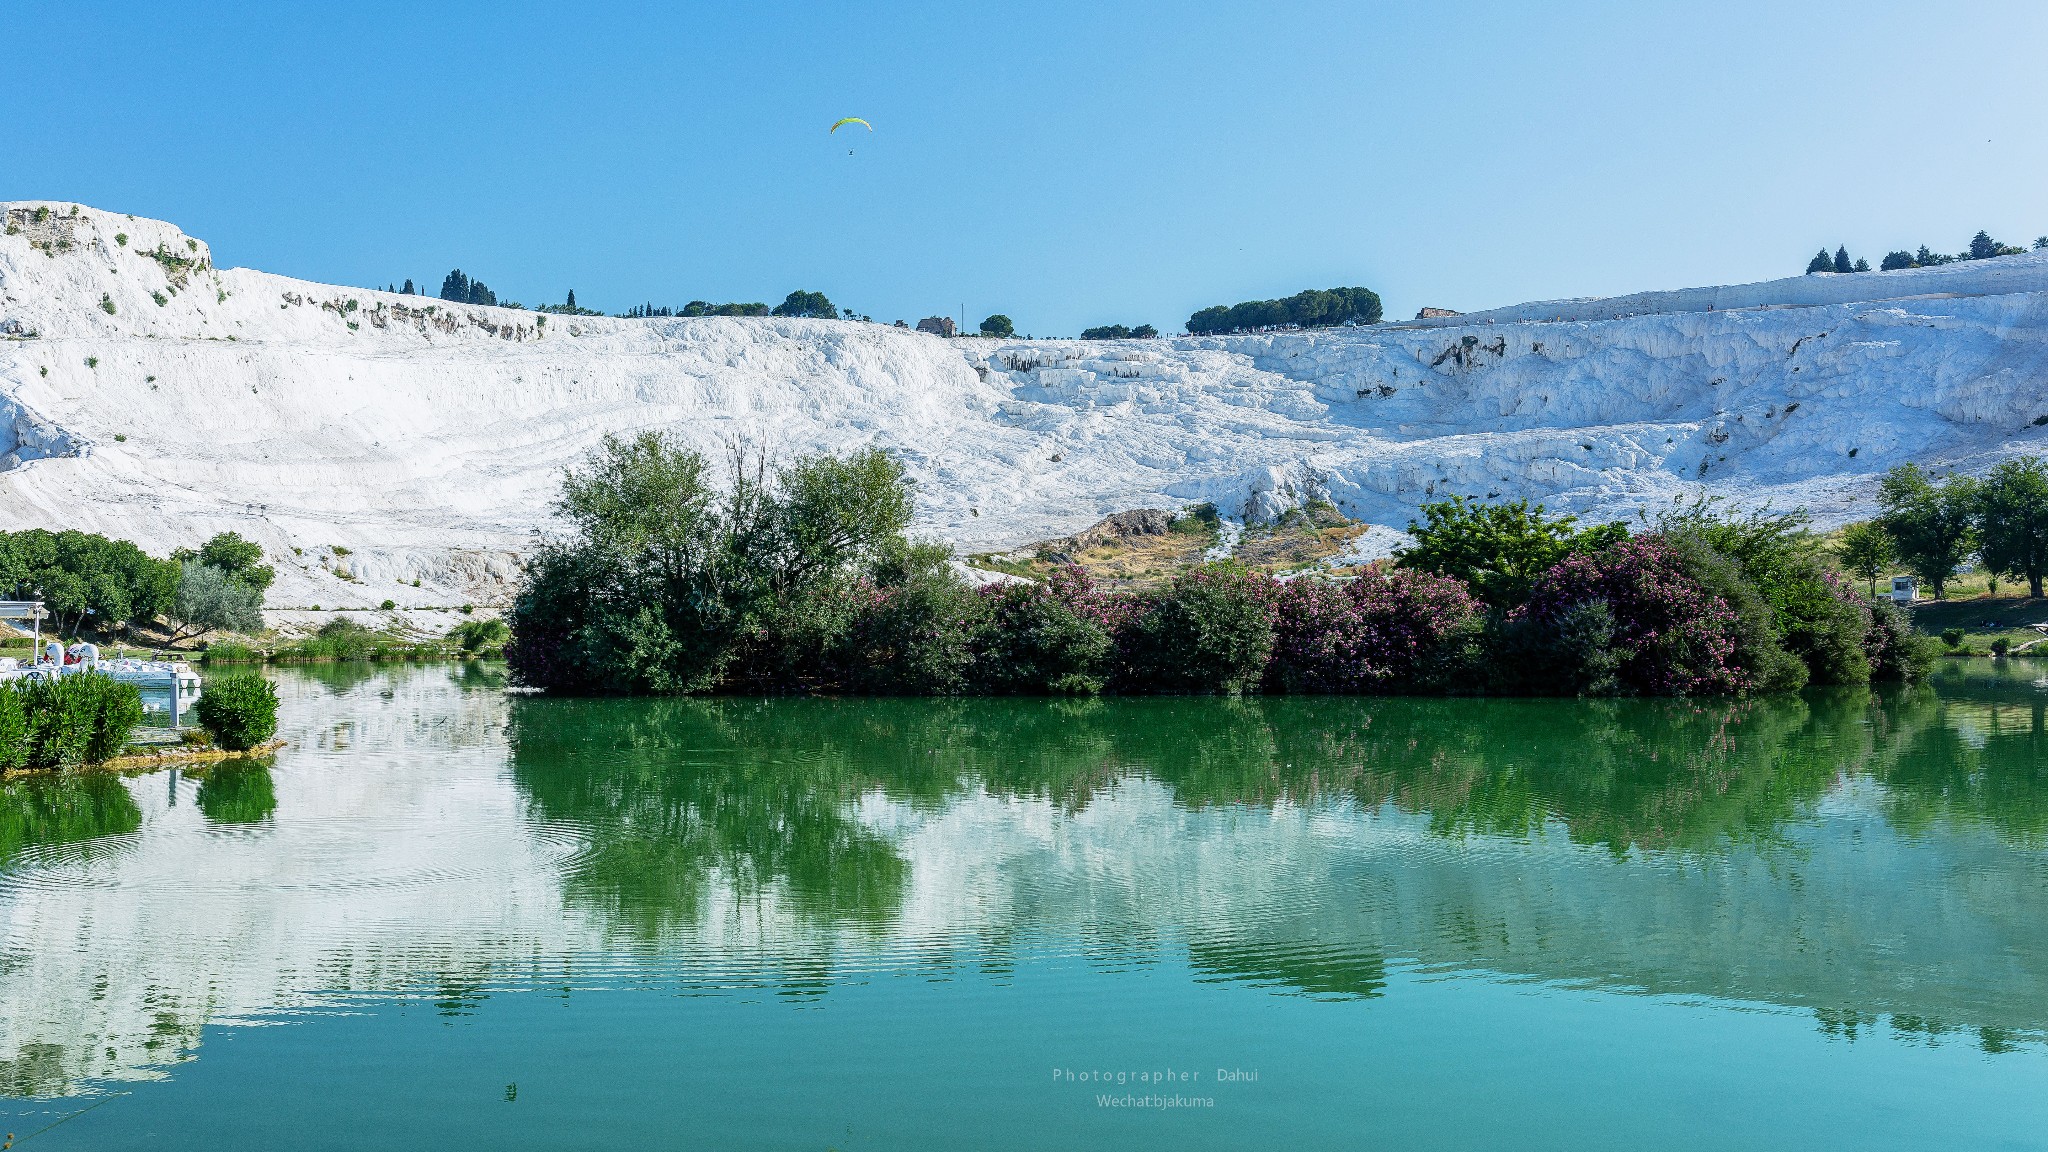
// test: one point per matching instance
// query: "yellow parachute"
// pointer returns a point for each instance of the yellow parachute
(852, 120)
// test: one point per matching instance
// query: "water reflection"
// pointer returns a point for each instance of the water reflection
(238, 791)
(1876, 860)
(46, 811)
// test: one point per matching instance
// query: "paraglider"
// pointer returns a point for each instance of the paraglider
(849, 120)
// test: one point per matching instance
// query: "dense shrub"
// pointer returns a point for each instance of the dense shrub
(231, 652)
(670, 584)
(801, 579)
(1497, 550)
(1816, 616)
(240, 710)
(1758, 648)
(13, 731)
(1896, 652)
(1667, 636)
(481, 637)
(913, 639)
(1389, 630)
(116, 710)
(78, 719)
(1211, 630)
(1042, 638)
(339, 639)
(1569, 652)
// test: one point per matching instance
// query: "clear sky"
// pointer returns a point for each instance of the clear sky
(1065, 163)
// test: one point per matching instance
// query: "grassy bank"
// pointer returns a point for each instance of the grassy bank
(344, 641)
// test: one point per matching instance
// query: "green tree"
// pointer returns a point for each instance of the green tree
(1862, 265)
(1932, 524)
(1312, 308)
(85, 579)
(1866, 550)
(998, 326)
(1894, 261)
(239, 558)
(480, 636)
(670, 584)
(1842, 260)
(1821, 262)
(2012, 520)
(209, 599)
(1983, 247)
(812, 304)
(1498, 550)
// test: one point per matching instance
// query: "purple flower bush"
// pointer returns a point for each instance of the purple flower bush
(1389, 630)
(1667, 635)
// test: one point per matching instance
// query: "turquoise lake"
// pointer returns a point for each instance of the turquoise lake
(450, 917)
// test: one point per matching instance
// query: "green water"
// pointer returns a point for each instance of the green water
(447, 917)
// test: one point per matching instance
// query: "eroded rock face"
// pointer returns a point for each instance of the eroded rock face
(24, 436)
(1115, 528)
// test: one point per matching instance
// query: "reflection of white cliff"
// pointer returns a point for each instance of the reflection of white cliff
(372, 875)
(1843, 914)
(402, 858)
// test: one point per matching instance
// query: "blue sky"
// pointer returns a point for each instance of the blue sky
(1065, 163)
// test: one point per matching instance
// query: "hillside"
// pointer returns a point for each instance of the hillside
(393, 438)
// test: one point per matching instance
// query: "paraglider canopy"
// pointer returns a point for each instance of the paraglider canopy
(852, 120)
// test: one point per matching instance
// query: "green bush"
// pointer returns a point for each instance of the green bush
(1498, 550)
(80, 719)
(1211, 631)
(917, 639)
(13, 731)
(1953, 637)
(1033, 641)
(116, 709)
(229, 652)
(481, 637)
(240, 711)
(1572, 653)
(1897, 652)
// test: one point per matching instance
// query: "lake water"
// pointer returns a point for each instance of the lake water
(449, 918)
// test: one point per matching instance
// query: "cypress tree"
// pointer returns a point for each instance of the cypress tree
(1821, 262)
(407, 290)
(1842, 260)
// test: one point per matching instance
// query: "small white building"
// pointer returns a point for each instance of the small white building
(1905, 589)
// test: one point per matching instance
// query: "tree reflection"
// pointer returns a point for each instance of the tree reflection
(238, 791)
(64, 809)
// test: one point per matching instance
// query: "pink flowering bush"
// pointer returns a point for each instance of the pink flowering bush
(1664, 634)
(1390, 630)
